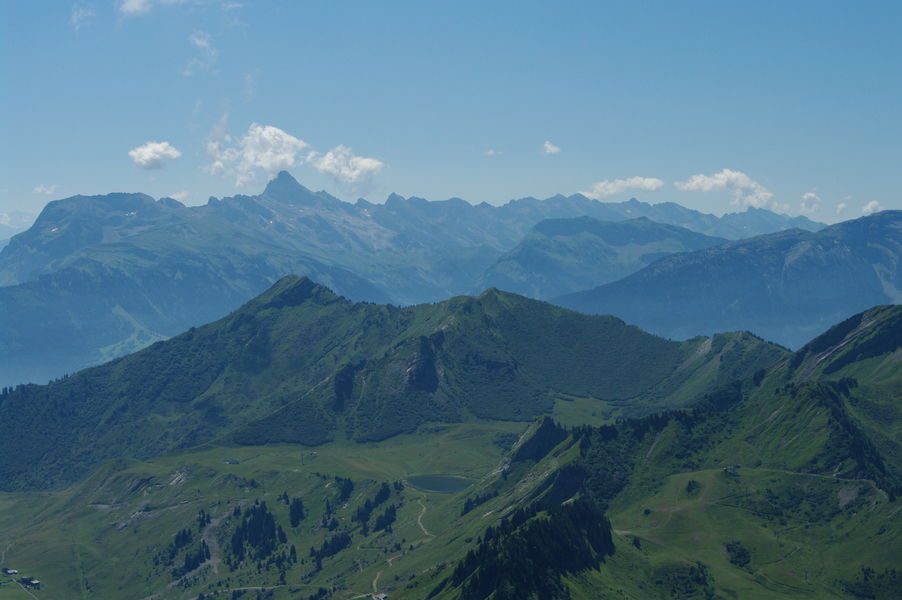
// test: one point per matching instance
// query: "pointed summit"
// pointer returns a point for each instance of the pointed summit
(285, 187)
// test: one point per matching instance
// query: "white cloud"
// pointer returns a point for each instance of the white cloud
(136, 8)
(493, 152)
(47, 190)
(179, 196)
(871, 207)
(746, 191)
(153, 155)
(206, 53)
(841, 207)
(270, 149)
(133, 8)
(549, 148)
(263, 147)
(342, 164)
(810, 203)
(611, 187)
(80, 16)
(4, 219)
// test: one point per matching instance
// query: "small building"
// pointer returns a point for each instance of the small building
(10, 571)
(30, 582)
(380, 596)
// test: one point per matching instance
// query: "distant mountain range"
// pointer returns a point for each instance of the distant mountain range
(302, 365)
(568, 255)
(12, 223)
(787, 286)
(100, 276)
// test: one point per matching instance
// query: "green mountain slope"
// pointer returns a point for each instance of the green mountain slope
(561, 256)
(764, 284)
(300, 364)
(726, 499)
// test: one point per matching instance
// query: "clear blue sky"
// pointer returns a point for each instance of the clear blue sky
(442, 99)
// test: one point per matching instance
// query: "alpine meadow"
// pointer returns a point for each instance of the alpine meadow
(461, 301)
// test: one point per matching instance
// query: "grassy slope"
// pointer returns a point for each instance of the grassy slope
(299, 364)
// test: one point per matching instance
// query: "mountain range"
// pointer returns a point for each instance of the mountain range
(97, 277)
(786, 287)
(12, 223)
(398, 445)
(300, 364)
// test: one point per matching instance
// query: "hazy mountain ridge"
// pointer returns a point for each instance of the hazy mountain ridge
(786, 286)
(298, 363)
(100, 276)
(560, 256)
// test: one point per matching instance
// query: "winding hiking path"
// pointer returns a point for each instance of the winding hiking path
(420, 519)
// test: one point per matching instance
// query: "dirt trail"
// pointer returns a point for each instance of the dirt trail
(420, 519)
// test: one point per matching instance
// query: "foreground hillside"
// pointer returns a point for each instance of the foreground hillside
(766, 285)
(97, 277)
(770, 487)
(300, 364)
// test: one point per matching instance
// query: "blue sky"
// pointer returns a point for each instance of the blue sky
(716, 105)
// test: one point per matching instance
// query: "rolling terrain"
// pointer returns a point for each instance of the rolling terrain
(300, 364)
(768, 487)
(786, 287)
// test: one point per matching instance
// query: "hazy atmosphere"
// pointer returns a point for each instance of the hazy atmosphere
(396, 300)
(718, 106)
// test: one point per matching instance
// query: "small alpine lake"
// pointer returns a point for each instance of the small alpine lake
(443, 484)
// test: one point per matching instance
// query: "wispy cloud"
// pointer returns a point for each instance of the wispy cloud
(270, 149)
(137, 8)
(493, 152)
(810, 203)
(549, 148)
(153, 155)
(46, 190)
(871, 207)
(134, 8)
(205, 59)
(746, 191)
(179, 195)
(840, 207)
(612, 187)
(80, 16)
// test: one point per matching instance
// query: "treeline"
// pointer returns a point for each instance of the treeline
(526, 555)
(257, 535)
(193, 560)
(474, 501)
(330, 547)
(366, 509)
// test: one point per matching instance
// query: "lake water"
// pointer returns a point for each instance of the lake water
(445, 484)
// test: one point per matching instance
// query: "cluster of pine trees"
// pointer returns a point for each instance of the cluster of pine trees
(526, 555)
(257, 535)
(330, 547)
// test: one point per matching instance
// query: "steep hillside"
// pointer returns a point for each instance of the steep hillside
(300, 364)
(767, 488)
(561, 256)
(766, 285)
